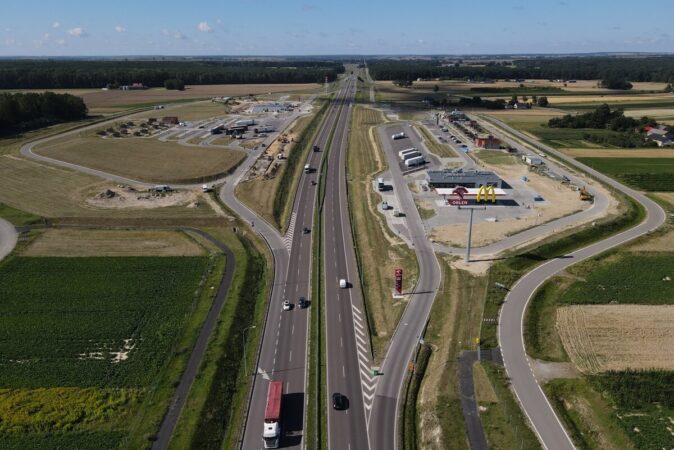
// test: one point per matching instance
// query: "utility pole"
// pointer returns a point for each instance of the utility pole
(470, 228)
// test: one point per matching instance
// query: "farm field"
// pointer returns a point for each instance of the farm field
(620, 152)
(123, 99)
(599, 338)
(144, 159)
(649, 174)
(188, 111)
(86, 343)
(92, 242)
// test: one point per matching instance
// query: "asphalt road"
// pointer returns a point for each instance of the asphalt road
(8, 238)
(284, 345)
(347, 344)
(544, 421)
(382, 425)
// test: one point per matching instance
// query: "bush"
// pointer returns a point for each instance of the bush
(174, 84)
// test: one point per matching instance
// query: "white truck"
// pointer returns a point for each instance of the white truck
(244, 122)
(411, 155)
(400, 135)
(272, 415)
(401, 153)
(416, 161)
(307, 168)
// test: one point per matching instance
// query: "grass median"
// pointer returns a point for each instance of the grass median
(378, 251)
(441, 150)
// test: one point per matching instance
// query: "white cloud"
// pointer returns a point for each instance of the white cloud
(46, 36)
(9, 42)
(179, 35)
(55, 25)
(77, 32)
(218, 21)
(120, 29)
(204, 27)
(61, 41)
(165, 32)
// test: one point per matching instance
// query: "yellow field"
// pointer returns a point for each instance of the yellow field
(628, 98)
(188, 111)
(144, 159)
(579, 85)
(79, 242)
(599, 338)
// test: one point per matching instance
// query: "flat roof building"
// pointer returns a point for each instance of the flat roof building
(458, 177)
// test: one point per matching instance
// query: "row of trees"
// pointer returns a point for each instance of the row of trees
(22, 112)
(54, 74)
(602, 118)
(660, 69)
(174, 84)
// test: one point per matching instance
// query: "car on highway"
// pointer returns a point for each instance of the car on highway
(306, 230)
(302, 302)
(286, 305)
(342, 283)
(339, 401)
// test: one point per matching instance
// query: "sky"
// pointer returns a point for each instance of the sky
(309, 27)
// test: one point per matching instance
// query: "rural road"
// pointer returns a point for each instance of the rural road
(8, 238)
(535, 404)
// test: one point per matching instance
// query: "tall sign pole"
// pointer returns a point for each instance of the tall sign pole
(483, 194)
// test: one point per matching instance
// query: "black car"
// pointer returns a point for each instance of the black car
(302, 302)
(305, 230)
(339, 401)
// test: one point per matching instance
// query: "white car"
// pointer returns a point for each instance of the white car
(342, 283)
(286, 305)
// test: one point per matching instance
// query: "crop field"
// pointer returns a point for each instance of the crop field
(620, 152)
(649, 174)
(187, 112)
(626, 279)
(106, 322)
(145, 159)
(599, 338)
(122, 99)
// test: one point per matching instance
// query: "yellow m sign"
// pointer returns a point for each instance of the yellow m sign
(484, 192)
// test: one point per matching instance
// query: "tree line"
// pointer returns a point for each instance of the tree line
(23, 112)
(68, 74)
(656, 69)
(602, 118)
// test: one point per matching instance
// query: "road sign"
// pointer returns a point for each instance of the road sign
(399, 281)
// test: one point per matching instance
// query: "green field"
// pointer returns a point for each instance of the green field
(87, 342)
(649, 174)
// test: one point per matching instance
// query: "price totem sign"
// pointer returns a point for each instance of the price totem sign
(399, 281)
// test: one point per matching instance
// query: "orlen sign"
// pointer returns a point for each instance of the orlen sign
(399, 281)
(459, 192)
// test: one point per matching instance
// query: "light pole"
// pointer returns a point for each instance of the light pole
(243, 354)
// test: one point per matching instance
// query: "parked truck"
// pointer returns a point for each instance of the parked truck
(380, 184)
(398, 136)
(416, 161)
(411, 155)
(407, 150)
(272, 415)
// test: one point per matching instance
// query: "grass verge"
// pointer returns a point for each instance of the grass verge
(441, 150)
(17, 217)
(413, 384)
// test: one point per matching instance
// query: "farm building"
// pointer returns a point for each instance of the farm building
(170, 120)
(467, 178)
(488, 142)
(660, 135)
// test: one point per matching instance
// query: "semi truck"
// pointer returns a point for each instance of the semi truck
(272, 415)
(307, 168)
(410, 155)
(244, 122)
(407, 150)
(416, 161)
(380, 184)
(398, 136)
(264, 129)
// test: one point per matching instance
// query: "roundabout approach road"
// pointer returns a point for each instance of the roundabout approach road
(535, 404)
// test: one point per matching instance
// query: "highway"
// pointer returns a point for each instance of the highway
(382, 426)
(8, 238)
(535, 404)
(347, 342)
(283, 352)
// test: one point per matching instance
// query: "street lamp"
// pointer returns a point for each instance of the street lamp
(243, 354)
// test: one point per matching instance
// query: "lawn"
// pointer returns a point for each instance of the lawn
(441, 150)
(145, 159)
(89, 342)
(378, 250)
(495, 157)
(649, 174)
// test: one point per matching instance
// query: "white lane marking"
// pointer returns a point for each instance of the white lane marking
(292, 330)
(361, 339)
(290, 356)
(340, 316)
(341, 342)
(343, 372)
(354, 307)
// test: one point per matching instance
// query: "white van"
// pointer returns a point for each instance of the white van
(342, 283)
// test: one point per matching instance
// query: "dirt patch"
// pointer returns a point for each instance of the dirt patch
(599, 338)
(79, 242)
(546, 370)
(661, 243)
(116, 197)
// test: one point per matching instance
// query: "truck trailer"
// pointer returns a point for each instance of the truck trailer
(272, 415)
(416, 161)
(407, 150)
(244, 122)
(410, 155)
(398, 136)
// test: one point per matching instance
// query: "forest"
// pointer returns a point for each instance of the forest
(23, 112)
(68, 74)
(658, 69)
(601, 118)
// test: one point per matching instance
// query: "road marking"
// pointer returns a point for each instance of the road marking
(341, 342)
(340, 316)
(343, 372)
(292, 330)
(290, 356)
